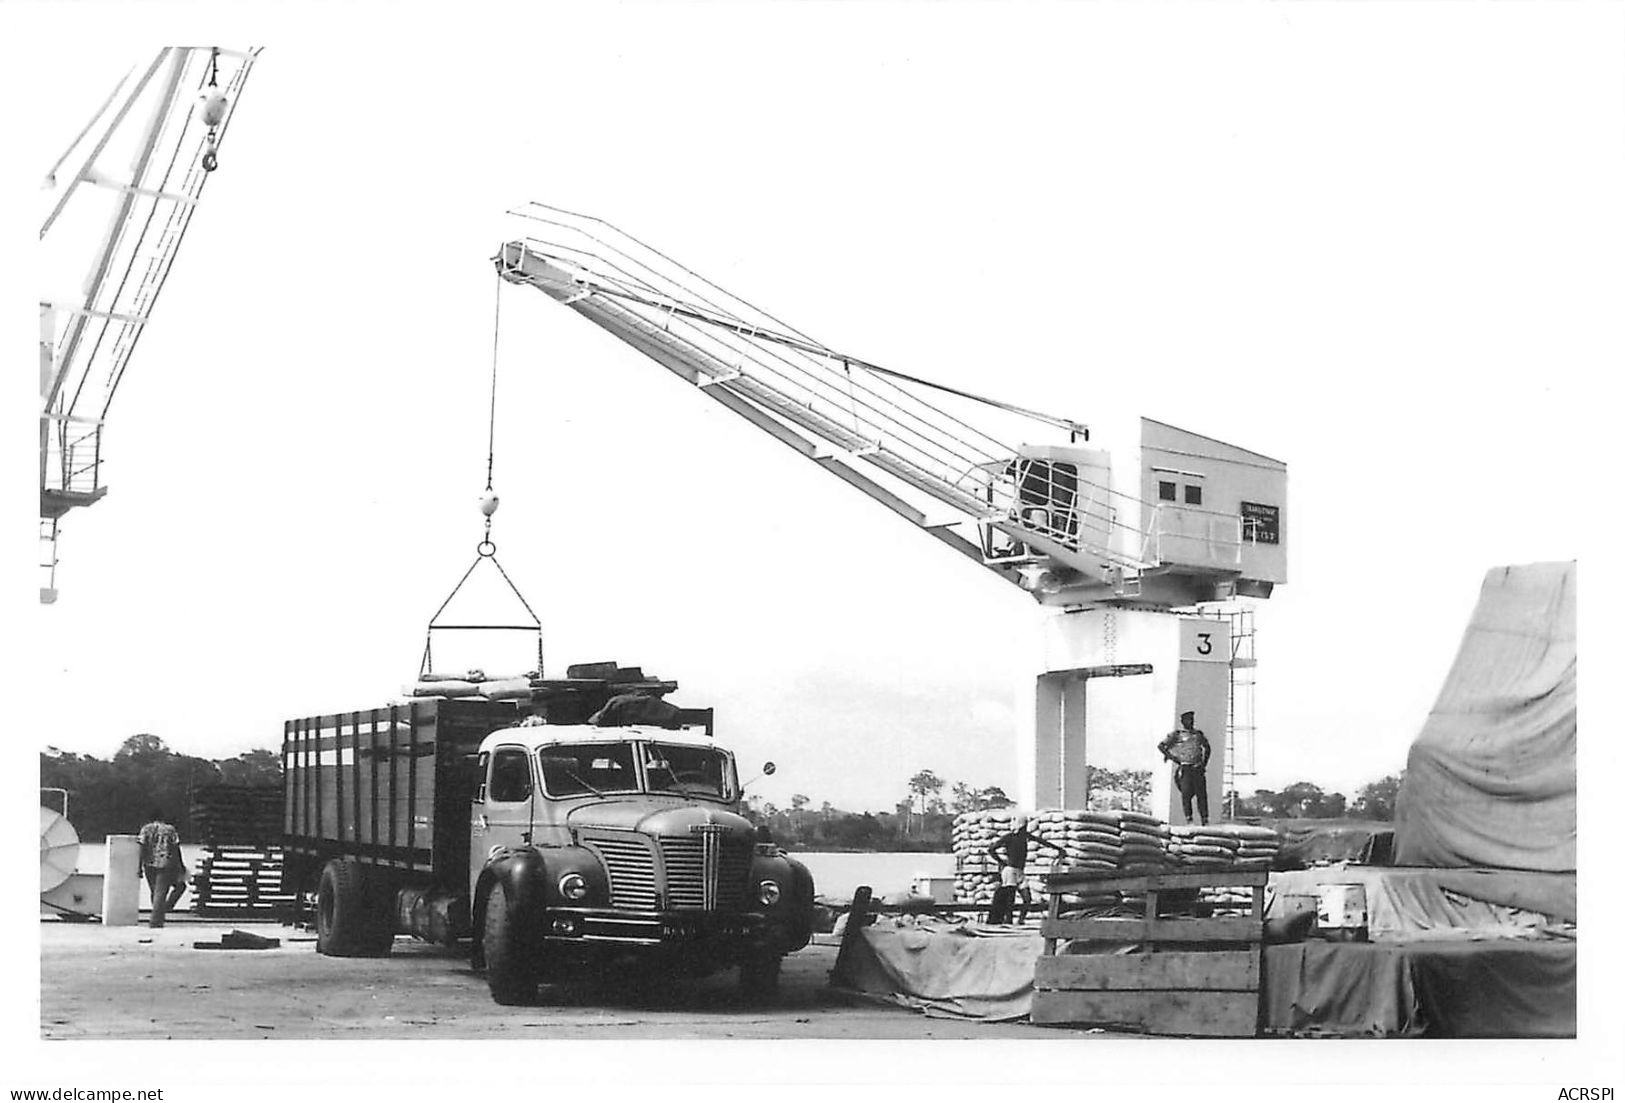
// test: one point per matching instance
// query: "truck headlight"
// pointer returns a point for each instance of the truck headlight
(768, 892)
(572, 886)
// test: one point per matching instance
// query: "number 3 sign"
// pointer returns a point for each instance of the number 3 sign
(1204, 641)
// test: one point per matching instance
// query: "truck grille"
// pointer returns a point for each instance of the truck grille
(686, 860)
(687, 884)
(631, 867)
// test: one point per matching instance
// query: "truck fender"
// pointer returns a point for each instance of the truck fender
(523, 876)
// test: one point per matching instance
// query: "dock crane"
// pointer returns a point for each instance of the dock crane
(145, 155)
(1112, 539)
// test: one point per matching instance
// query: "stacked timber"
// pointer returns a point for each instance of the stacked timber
(236, 814)
(240, 882)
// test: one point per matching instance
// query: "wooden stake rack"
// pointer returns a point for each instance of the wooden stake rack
(1160, 974)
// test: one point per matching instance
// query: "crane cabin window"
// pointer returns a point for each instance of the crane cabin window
(1193, 495)
(1047, 492)
(1167, 491)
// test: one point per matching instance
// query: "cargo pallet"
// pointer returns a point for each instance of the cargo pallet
(1188, 976)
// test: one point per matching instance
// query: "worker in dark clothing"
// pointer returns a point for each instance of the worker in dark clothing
(1013, 861)
(1188, 749)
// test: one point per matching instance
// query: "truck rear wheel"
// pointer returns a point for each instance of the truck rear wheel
(510, 967)
(349, 921)
(759, 976)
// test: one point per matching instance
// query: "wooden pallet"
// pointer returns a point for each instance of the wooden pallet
(1160, 973)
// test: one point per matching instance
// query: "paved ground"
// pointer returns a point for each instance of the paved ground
(133, 982)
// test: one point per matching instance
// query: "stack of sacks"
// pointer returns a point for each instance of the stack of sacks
(1236, 899)
(1193, 847)
(1104, 842)
(1259, 846)
(1145, 842)
(473, 684)
(976, 875)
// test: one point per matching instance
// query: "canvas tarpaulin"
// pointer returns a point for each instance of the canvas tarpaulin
(1405, 905)
(1438, 989)
(943, 967)
(1491, 778)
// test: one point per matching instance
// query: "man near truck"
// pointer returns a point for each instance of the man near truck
(1188, 749)
(161, 862)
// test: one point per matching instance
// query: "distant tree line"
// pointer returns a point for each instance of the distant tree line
(1306, 800)
(113, 796)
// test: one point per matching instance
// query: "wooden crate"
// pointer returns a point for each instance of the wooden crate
(1189, 976)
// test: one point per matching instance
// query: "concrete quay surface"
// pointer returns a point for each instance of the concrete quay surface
(135, 983)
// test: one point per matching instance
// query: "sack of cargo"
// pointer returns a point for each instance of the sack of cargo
(505, 689)
(443, 689)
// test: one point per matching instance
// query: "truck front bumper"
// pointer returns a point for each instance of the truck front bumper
(586, 925)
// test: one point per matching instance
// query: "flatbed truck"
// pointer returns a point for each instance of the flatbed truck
(552, 846)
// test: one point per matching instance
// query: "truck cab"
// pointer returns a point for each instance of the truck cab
(593, 843)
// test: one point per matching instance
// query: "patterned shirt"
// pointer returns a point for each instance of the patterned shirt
(160, 845)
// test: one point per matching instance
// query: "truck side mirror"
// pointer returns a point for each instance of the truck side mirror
(768, 769)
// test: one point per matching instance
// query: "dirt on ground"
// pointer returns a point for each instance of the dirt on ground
(134, 982)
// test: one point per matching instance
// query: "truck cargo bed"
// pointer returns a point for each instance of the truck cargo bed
(390, 786)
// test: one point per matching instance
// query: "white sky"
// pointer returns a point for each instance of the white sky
(1379, 242)
(1318, 241)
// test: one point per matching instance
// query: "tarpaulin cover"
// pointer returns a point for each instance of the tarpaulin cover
(1439, 989)
(1308, 841)
(943, 967)
(1491, 778)
(1413, 904)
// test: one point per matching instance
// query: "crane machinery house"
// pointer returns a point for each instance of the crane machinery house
(1168, 518)
(1121, 533)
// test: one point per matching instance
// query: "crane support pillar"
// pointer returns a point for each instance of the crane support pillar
(1096, 678)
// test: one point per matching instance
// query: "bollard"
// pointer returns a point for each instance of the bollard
(121, 887)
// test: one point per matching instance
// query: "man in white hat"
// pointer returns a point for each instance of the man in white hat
(1013, 860)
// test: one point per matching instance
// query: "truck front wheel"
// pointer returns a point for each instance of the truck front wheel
(759, 976)
(349, 922)
(510, 968)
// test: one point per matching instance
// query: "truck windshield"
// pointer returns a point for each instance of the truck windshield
(570, 769)
(692, 771)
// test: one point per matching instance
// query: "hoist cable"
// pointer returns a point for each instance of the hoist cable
(491, 429)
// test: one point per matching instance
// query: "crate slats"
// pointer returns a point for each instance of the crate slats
(1190, 1012)
(1194, 976)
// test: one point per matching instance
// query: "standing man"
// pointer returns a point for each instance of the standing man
(1013, 860)
(161, 862)
(1188, 749)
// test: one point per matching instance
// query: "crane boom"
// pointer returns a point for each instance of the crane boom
(1050, 519)
(165, 123)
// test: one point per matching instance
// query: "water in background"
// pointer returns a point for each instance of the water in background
(835, 876)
